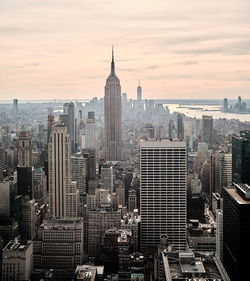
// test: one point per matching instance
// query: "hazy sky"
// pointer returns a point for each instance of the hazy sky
(177, 48)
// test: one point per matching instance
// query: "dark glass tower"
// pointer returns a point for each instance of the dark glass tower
(241, 157)
(236, 231)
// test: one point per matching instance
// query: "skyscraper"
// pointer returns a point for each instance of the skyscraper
(61, 189)
(241, 157)
(1, 163)
(171, 130)
(25, 149)
(51, 120)
(207, 129)
(236, 231)
(163, 166)
(90, 130)
(180, 127)
(112, 117)
(69, 109)
(25, 170)
(139, 92)
(225, 105)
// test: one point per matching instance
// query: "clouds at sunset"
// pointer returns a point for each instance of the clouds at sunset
(178, 49)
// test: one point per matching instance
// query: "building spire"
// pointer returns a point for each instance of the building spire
(112, 62)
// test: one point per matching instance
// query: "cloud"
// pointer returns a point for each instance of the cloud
(181, 42)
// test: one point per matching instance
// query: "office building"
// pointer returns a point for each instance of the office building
(139, 92)
(236, 231)
(79, 172)
(107, 177)
(25, 149)
(2, 163)
(225, 105)
(171, 130)
(51, 122)
(241, 157)
(27, 220)
(98, 222)
(163, 166)
(207, 129)
(112, 117)
(219, 234)
(69, 110)
(61, 190)
(90, 131)
(180, 127)
(225, 170)
(25, 170)
(59, 245)
(132, 200)
(17, 263)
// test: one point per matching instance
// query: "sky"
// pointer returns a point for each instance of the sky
(179, 49)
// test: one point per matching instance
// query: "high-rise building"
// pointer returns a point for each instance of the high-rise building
(241, 157)
(139, 92)
(69, 109)
(163, 166)
(5, 202)
(107, 177)
(98, 222)
(27, 219)
(60, 186)
(15, 107)
(225, 105)
(225, 170)
(171, 130)
(51, 120)
(207, 129)
(236, 231)
(25, 170)
(17, 261)
(25, 149)
(79, 172)
(180, 127)
(132, 200)
(1, 163)
(219, 234)
(120, 195)
(90, 131)
(213, 175)
(112, 117)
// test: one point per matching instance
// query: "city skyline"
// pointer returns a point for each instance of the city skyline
(60, 50)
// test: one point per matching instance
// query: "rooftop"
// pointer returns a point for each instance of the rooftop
(182, 266)
(233, 192)
(16, 246)
(165, 143)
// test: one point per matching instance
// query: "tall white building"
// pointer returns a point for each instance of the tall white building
(61, 190)
(163, 167)
(225, 169)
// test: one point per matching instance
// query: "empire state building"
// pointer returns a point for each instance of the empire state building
(112, 117)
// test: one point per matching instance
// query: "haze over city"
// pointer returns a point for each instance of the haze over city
(178, 49)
